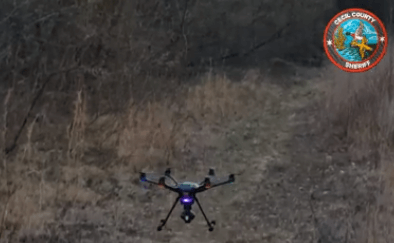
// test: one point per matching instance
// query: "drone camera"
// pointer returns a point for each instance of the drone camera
(187, 216)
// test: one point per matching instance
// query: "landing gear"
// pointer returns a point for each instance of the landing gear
(213, 222)
(210, 224)
(164, 221)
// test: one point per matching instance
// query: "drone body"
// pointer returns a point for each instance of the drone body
(186, 194)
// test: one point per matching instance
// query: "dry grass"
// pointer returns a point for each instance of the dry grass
(4, 172)
(218, 99)
(148, 134)
(76, 131)
(359, 109)
(29, 201)
(163, 128)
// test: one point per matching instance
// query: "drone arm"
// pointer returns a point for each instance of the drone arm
(172, 178)
(168, 174)
(144, 179)
(207, 184)
(171, 188)
(221, 183)
(161, 182)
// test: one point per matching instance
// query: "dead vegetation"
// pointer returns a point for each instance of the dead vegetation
(147, 134)
(359, 114)
(64, 143)
(361, 110)
(161, 129)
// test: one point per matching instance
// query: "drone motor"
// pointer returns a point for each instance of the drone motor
(207, 183)
(161, 182)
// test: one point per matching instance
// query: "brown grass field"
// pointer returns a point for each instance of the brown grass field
(311, 148)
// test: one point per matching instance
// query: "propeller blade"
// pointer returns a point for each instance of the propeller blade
(211, 172)
(168, 172)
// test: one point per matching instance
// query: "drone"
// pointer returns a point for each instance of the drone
(186, 194)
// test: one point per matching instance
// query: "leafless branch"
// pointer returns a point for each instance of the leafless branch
(33, 103)
(13, 11)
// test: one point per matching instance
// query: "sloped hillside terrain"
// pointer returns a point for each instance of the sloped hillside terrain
(289, 186)
(93, 92)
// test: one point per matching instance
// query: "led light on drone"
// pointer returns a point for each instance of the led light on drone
(187, 200)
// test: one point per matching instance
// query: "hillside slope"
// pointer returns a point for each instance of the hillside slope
(289, 187)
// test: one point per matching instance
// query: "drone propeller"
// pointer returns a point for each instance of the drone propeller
(167, 173)
(231, 178)
(211, 172)
(207, 184)
(160, 182)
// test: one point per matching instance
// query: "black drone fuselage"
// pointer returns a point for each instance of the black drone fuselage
(187, 215)
(187, 195)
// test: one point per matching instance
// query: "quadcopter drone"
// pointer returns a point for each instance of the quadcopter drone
(186, 194)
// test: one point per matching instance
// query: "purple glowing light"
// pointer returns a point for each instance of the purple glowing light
(186, 199)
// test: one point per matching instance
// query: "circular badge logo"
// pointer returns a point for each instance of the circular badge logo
(355, 40)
